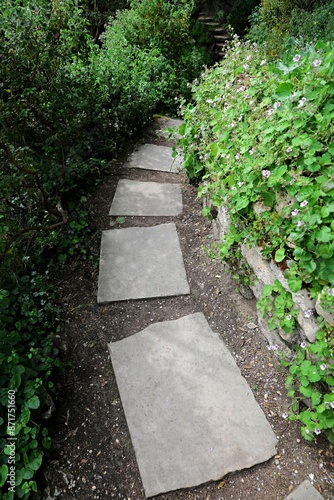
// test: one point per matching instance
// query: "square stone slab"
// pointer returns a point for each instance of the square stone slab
(153, 157)
(191, 415)
(146, 199)
(141, 262)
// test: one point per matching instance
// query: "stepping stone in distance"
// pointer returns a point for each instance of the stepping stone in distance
(305, 491)
(153, 157)
(191, 415)
(141, 262)
(146, 199)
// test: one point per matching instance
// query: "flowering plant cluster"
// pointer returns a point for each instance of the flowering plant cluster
(258, 137)
(309, 384)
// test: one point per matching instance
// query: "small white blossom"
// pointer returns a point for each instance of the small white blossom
(289, 317)
(285, 415)
(302, 102)
(296, 58)
(308, 313)
(277, 104)
(317, 431)
(262, 63)
(246, 66)
(316, 63)
(304, 203)
(273, 347)
(265, 173)
(270, 111)
(323, 367)
(295, 212)
(288, 150)
(303, 345)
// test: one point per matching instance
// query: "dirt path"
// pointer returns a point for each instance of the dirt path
(93, 456)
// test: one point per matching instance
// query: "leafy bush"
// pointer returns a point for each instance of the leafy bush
(274, 22)
(27, 357)
(260, 137)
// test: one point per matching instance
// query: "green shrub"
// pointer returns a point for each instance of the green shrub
(260, 137)
(27, 358)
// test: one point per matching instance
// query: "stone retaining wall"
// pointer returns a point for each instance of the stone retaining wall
(265, 273)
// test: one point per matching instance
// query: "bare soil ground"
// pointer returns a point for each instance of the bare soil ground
(93, 456)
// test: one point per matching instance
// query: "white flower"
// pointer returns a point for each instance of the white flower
(265, 173)
(308, 313)
(277, 104)
(303, 345)
(316, 63)
(304, 203)
(296, 58)
(262, 63)
(302, 102)
(295, 212)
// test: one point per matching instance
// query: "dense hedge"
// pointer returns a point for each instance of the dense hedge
(66, 105)
(259, 137)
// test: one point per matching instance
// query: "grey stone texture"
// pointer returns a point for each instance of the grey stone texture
(141, 262)
(146, 199)
(305, 491)
(153, 157)
(191, 415)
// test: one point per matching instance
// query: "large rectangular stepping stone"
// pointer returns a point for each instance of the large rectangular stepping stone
(191, 415)
(153, 157)
(141, 262)
(146, 199)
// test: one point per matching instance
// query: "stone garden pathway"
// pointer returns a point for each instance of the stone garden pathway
(192, 417)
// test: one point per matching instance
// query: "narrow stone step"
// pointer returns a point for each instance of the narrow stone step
(191, 415)
(141, 262)
(221, 38)
(153, 157)
(146, 199)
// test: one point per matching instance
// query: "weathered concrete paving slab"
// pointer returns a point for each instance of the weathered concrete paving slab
(305, 491)
(146, 199)
(153, 157)
(141, 262)
(167, 122)
(191, 415)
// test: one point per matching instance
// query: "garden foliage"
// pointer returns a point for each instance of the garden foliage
(260, 139)
(66, 105)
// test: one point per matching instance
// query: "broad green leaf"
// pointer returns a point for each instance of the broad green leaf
(324, 235)
(33, 403)
(284, 90)
(295, 283)
(280, 254)
(242, 202)
(269, 198)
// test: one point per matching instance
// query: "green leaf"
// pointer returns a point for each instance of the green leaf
(269, 198)
(295, 283)
(242, 203)
(280, 254)
(120, 220)
(33, 403)
(324, 235)
(284, 90)
(3, 474)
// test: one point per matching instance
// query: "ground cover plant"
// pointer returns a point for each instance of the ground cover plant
(259, 138)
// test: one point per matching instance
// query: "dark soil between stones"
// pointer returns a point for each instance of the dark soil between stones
(93, 457)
